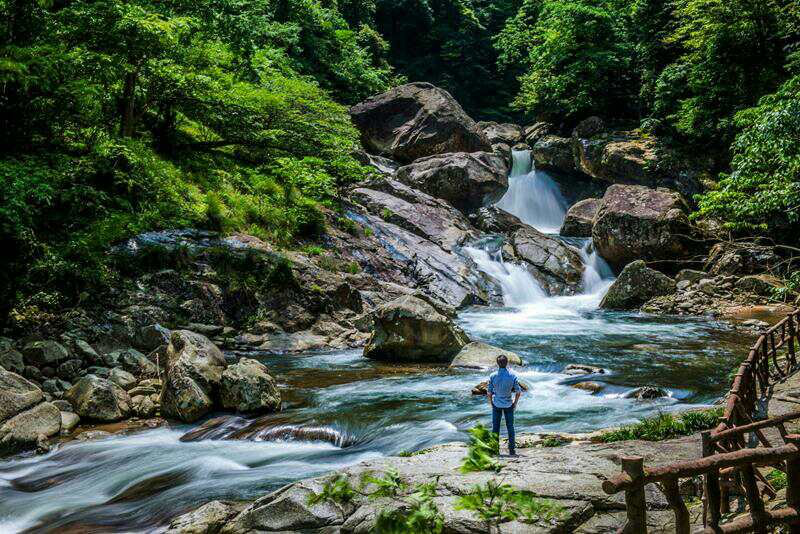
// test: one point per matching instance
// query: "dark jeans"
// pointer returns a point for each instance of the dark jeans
(497, 413)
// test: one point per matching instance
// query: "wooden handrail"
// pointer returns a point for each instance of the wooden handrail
(727, 460)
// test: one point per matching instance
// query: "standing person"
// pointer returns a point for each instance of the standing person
(502, 384)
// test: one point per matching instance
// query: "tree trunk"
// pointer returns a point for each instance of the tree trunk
(128, 105)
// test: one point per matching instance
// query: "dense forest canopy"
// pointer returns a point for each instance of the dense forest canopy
(120, 116)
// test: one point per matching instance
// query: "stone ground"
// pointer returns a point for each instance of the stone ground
(570, 475)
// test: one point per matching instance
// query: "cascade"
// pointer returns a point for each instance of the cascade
(536, 200)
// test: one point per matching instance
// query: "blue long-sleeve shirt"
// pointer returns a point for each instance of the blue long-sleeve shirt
(502, 384)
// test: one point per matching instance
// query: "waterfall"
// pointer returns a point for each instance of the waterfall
(519, 287)
(536, 199)
(533, 196)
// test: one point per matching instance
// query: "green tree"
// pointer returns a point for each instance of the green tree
(762, 193)
(733, 54)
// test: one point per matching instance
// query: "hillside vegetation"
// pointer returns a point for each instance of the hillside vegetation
(125, 116)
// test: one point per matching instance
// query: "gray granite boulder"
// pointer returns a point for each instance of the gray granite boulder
(248, 387)
(99, 399)
(480, 355)
(636, 285)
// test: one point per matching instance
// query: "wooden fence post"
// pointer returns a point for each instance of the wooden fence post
(673, 494)
(793, 481)
(792, 334)
(713, 497)
(635, 501)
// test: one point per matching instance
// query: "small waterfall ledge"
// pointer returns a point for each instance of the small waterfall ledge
(536, 200)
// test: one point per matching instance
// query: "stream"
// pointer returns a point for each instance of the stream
(137, 481)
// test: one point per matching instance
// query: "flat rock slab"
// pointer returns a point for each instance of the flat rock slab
(571, 475)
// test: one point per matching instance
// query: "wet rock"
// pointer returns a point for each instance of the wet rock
(384, 166)
(508, 134)
(194, 370)
(150, 337)
(45, 353)
(63, 405)
(102, 372)
(122, 378)
(143, 406)
(85, 351)
(137, 363)
(493, 220)
(27, 429)
(557, 267)
(683, 285)
(536, 131)
(468, 181)
(591, 387)
(415, 211)
(414, 121)
(635, 222)
(208, 519)
(248, 388)
(554, 154)
(690, 275)
(575, 369)
(479, 355)
(98, 399)
(579, 219)
(411, 329)
(69, 421)
(647, 393)
(707, 286)
(16, 394)
(288, 510)
(740, 259)
(69, 370)
(635, 285)
(55, 387)
(759, 284)
(589, 127)
(10, 358)
(33, 373)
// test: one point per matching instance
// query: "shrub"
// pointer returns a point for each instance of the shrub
(483, 447)
(666, 426)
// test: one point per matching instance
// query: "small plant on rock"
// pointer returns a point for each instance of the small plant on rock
(484, 446)
(496, 503)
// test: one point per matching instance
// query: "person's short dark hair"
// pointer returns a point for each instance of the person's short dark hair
(502, 360)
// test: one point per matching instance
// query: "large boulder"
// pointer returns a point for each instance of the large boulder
(628, 158)
(557, 267)
(502, 133)
(193, 374)
(479, 355)
(579, 219)
(554, 153)
(494, 220)
(635, 285)
(414, 121)
(26, 429)
(426, 216)
(468, 181)
(248, 387)
(412, 329)
(16, 394)
(533, 133)
(740, 259)
(635, 222)
(99, 399)
(45, 353)
(208, 519)
(10, 358)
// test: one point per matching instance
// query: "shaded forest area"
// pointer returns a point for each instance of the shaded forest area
(125, 116)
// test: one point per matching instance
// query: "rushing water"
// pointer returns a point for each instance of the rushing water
(361, 409)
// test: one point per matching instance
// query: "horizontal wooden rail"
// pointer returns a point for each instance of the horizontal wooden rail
(730, 459)
(693, 468)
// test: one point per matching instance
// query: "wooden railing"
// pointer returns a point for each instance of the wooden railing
(732, 453)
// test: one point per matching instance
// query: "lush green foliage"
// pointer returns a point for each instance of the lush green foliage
(763, 190)
(120, 117)
(666, 426)
(578, 63)
(482, 450)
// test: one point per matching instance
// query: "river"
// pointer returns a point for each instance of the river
(135, 482)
